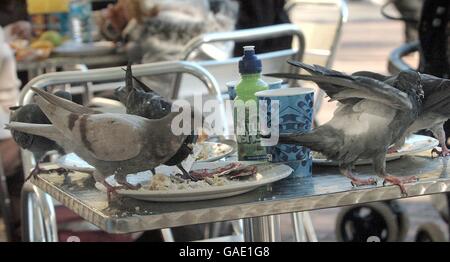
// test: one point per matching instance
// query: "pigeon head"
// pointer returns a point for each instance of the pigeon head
(409, 81)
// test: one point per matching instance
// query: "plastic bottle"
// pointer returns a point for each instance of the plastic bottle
(80, 13)
(250, 67)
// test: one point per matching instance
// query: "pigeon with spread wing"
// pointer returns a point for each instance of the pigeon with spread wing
(372, 115)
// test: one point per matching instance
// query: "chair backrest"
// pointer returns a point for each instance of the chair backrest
(322, 22)
(226, 70)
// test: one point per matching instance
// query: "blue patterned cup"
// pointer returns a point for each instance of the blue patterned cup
(295, 113)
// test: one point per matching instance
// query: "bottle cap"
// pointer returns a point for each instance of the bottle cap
(249, 63)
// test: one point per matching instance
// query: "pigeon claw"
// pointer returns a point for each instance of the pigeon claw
(33, 174)
(392, 150)
(400, 181)
(111, 190)
(38, 170)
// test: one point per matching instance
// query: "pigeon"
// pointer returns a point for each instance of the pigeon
(435, 110)
(38, 145)
(371, 116)
(114, 144)
(141, 100)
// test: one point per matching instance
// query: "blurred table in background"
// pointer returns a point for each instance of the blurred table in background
(51, 64)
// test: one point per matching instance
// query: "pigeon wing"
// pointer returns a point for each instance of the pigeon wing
(110, 137)
(437, 95)
(352, 90)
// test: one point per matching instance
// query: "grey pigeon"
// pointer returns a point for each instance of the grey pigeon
(372, 115)
(114, 144)
(141, 100)
(435, 110)
(38, 145)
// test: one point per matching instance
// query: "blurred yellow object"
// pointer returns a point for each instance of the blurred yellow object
(42, 44)
(47, 6)
(53, 37)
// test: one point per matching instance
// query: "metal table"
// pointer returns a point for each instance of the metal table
(327, 188)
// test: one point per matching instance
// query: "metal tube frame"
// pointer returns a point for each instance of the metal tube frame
(38, 215)
(396, 63)
(262, 229)
(245, 35)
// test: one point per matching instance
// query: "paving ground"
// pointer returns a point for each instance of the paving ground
(367, 40)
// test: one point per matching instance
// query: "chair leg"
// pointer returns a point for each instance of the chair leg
(237, 226)
(309, 228)
(303, 227)
(28, 216)
(262, 229)
(167, 235)
(38, 215)
(46, 205)
(299, 228)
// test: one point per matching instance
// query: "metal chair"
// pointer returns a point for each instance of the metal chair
(38, 214)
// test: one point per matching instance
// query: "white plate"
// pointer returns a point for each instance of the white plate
(266, 174)
(413, 144)
(85, 49)
(216, 151)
